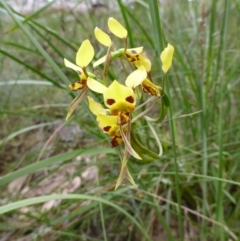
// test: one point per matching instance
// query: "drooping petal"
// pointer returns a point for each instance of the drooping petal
(149, 87)
(166, 58)
(95, 107)
(116, 28)
(136, 77)
(144, 61)
(102, 37)
(96, 86)
(119, 98)
(100, 61)
(72, 66)
(85, 54)
(108, 123)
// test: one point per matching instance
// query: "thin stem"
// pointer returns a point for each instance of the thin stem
(106, 64)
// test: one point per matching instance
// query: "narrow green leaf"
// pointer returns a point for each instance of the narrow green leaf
(52, 160)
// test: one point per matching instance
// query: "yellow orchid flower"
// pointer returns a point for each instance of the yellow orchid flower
(166, 58)
(83, 57)
(108, 123)
(83, 79)
(119, 98)
(139, 76)
(134, 56)
(121, 102)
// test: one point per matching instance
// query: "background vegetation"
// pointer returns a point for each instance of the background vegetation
(191, 193)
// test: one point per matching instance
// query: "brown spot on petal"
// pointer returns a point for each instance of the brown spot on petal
(133, 52)
(116, 140)
(84, 81)
(149, 90)
(130, 99)
(107, 128)
(110, 101)
(123, 118)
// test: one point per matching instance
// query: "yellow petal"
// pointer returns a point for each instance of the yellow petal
(144, 61)
(116, 28)
(102, 37)
(72, 66)
(100, 61)
(136, 77)
(95, 107)
(132, 52)
(166, 58)
(108, 123)
(85, 54)
(96, 86)
(119, 98)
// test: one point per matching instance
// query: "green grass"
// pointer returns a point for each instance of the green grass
(191, 193)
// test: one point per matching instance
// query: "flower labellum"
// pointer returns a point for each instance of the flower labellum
(119, 98)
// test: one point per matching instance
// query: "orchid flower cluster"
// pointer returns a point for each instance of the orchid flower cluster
(122, 100)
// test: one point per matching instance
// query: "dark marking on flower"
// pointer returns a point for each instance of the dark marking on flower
(123, 119)
(106, 128)
(110, 101)
(130, 99)
(133, 51)
(83, 82)
(116, 140)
